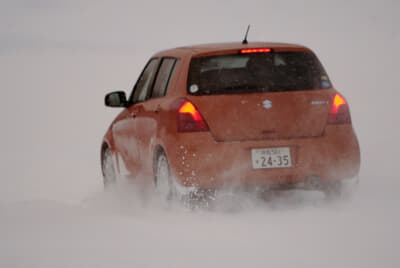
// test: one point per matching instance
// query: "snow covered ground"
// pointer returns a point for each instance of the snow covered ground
(59, 58)
(110, 230)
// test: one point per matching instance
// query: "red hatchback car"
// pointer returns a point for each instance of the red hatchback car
(253, 115)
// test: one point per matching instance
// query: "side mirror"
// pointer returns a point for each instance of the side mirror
(116, 99)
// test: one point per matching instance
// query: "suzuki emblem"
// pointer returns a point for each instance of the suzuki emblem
(267, 104)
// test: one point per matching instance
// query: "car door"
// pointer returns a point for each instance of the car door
(127, 134)
(148, 113)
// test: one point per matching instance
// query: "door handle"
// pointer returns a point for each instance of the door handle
(158, 108)
(133, 114)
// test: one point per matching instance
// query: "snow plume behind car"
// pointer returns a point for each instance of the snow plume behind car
(136, 195)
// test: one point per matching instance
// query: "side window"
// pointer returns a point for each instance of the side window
(145, 81)
(164, 77)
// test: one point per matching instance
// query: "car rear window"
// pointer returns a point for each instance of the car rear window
(256, 72)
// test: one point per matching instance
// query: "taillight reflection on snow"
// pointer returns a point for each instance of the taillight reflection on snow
(189, 119)
(339, 113)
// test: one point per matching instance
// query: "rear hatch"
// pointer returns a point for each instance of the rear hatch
(273, 95)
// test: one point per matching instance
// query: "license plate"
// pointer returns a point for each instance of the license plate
(278, 157)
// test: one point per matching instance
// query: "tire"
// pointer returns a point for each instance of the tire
(167, 187)
(163, 180)
(108, 168)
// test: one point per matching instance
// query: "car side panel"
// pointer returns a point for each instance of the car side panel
(124, 132)
(147, 123)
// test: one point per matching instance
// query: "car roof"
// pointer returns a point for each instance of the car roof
(223, 48)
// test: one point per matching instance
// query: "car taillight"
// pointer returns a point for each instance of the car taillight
(339, 113)
(189, 118)
(255, 50)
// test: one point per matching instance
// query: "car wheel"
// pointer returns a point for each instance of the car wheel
(163, 181)
(107, 167)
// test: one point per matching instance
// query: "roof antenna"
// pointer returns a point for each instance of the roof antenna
(244, 42)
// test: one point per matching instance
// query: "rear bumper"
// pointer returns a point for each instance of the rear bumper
(201, 162)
